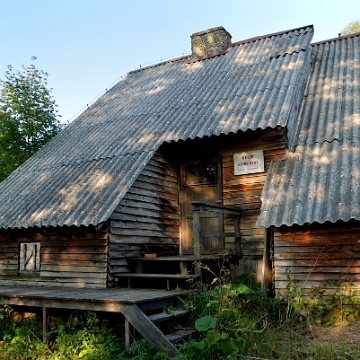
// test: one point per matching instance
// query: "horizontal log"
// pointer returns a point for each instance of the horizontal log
(74, 269)
(118, 269)
(309, 284)
(75, 242)
(144, 226)
(144, 233)
(145, 182)
(155, 198)
(159, 176)
(142, 240)
(118, 262)
(321, 249)
(162, 221)
(319, 262)
(68, 274)
(51, 282)
(4, 272)
(8, 256)
(154, 276)
(197, 205)
(211, 234)
(74, 263)
(138, 189)
(74, 250)
(67, 257)
(146, 212)
(125, 248)
(147, 206)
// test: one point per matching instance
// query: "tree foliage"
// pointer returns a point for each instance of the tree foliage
(352, 27)
(28, 116)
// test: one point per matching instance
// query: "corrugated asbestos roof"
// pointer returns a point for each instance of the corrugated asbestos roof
(320, 180)
(83, 173)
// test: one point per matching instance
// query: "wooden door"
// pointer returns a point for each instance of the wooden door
(200, 181)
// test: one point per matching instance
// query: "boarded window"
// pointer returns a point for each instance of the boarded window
(199, 173)
(30, 257)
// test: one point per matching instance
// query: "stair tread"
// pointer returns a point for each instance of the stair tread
(177, 258)
(165, 316)
(180, 335)
(163, 276)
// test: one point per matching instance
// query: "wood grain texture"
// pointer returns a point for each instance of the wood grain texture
(69, 256)
(312, 254)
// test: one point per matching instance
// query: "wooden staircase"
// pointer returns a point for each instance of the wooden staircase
(146, 318)
(185, 267)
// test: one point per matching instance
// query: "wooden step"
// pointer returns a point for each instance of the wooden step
(159, 317)
(154, 276)
(181, 334)
(178, 258)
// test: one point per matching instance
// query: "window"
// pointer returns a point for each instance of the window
(199, 173)
(30, 257)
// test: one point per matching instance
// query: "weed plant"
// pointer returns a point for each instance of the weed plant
(232, 321)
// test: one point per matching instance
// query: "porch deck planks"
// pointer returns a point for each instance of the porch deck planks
(122, 300)
(13, 294)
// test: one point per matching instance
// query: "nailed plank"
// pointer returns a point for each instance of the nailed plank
(116, 239)
(147, 329)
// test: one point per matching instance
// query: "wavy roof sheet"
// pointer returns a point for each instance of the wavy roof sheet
(320, 180)
(83, 173)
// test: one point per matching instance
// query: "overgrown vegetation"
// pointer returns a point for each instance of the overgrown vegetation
(232, 321)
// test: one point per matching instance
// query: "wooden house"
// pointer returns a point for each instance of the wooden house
(165, 162)
(245, 150)
(310, 202)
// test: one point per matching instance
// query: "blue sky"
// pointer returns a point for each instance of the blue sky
(86, 46)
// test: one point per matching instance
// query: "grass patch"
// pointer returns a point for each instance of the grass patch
(233, 321)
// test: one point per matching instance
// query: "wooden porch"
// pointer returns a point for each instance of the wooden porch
(189, 266)
(132, 303)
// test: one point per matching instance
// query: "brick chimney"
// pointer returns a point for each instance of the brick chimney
(210, 42)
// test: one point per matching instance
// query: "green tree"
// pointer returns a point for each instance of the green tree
(28, 116)
(352, 27)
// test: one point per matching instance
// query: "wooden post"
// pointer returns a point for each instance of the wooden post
(45, 325)
(266, 283)
(128, 338)
(197, 245)
(221, 230)
(237, 235)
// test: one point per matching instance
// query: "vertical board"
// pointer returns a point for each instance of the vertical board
(199, 190)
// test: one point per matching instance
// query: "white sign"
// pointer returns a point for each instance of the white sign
(248, 162)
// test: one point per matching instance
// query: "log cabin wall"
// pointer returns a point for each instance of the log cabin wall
(68, 256)
(312, 254)
(147, 218)
(244, 191)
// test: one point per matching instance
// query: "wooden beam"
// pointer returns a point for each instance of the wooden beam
(45, 324)
(196, 242)
(147, 329)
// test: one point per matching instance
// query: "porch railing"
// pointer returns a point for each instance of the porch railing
(221, 234)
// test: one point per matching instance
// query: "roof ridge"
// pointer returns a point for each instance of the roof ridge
(192, 59)
(268, 35)
(339, 38)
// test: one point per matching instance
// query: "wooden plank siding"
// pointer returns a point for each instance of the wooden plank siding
(238, 191)
(244, 191)
(147, 218)
(312, 254)
(68, 256)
